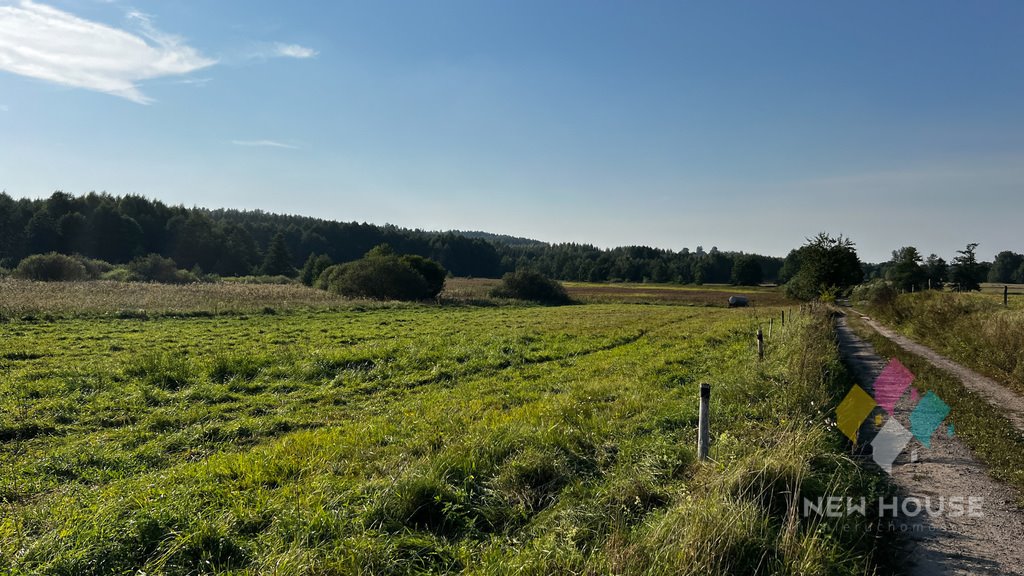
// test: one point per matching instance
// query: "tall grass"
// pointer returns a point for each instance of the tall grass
(21, 298)
(409, 440)
(974, 329)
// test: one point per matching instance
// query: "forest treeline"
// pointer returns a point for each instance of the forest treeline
(120, 229)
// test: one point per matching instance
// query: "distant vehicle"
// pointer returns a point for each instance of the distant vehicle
(738, 301)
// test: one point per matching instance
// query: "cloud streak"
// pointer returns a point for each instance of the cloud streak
(268, 50)
(293, 51)
(263, 144)
(42, 42)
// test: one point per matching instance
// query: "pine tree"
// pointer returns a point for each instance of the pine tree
(966, 270)
(278, 261)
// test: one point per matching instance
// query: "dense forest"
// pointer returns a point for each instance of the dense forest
(119, 229)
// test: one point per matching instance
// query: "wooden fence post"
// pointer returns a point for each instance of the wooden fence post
(703, 426)
(1006, 295)
(760, 345)
(771, 323)
(783, 317)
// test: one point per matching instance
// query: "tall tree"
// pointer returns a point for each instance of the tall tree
(116, 238)
(746, 271)
(828, 266)
(966, 269)
(905, 271)
(936, 272)
(41, 233)
(790, 266)
(278, 261)
(1004, 267)
(315, 265)
(73, 233)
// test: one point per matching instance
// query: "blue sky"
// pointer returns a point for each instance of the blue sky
(742, 125)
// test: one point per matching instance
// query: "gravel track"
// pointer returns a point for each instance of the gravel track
(989, 543)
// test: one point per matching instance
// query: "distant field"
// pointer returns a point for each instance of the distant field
(404, 439)
(691, 295)
(706, 295)
(20, 298)
(995, 293)
(23, 297)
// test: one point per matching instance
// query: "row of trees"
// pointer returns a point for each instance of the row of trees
(119, 230)
(909, 271)
(1008, 267)
(826, 267)
(131, 228)
(581, 262)
(224, 242)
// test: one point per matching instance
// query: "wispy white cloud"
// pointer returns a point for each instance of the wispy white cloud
(46, 43)
(268, 50)
(293, 51)
(194, 81)
(264, 144)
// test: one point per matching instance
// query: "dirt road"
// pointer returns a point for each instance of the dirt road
(989, 541)
(996, 394)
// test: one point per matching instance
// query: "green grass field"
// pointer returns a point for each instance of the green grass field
(421, 439)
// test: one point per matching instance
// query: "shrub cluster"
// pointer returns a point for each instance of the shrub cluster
(875, 293)
(532, 286)
(156, 268)
(383, 275)
(54, 267)
(51, 267)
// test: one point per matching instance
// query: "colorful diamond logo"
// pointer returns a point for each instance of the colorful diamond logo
(853, 410)
(891, 384)
(927, 417)
(890, 441)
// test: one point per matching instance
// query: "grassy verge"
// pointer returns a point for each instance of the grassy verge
(974, 329)
(988, 433)
(483, 440)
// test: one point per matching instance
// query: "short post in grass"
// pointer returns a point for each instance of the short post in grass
(771, 323)
(760, 344)
(1006, 295)
(783, 317)
(703, 426)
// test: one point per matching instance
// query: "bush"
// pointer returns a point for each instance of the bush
(119, 274)
(431, 271)
(314, 267)
(381, 275)
(51, 267)
(532, 286)
(94, 269)
(156, 268)
(875, 293)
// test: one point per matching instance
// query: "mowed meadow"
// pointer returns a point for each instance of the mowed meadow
(471, 436)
